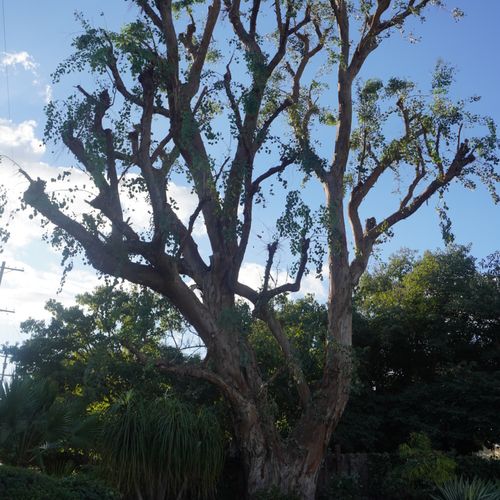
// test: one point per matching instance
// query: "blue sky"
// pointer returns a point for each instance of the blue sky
(38, 37)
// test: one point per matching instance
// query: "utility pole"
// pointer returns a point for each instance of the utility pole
(3, 268)
(4, 368)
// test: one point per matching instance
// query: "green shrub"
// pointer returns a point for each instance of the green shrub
(379, 467)
(474, 466)
(162, 447)
(468, 489)
(346, 487)
(26, 484)
(419, 470)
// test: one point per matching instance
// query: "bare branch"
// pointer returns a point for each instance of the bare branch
(248, 205)
(370, 40)
(271, 248)
(247, 39)
(253, 17)
(160, 149)
(193, 79)
(462, 158)
(267, 315)
(269, 173)
(232, 100)
(290, 287)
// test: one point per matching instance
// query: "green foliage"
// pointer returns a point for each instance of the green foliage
(82, 348)
(425, 331)
(345, 487)
(80, 357)
(419, 469)
(304, 322)
(162, 447)
(25, 484)
(383, 467)
(471, 466)
(35, 425)
(4, 232)
(468, 489)
(379, 467)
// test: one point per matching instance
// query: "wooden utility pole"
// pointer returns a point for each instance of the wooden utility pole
(3, 268)
(4, 368)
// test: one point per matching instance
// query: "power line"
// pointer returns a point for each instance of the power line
(5, 52)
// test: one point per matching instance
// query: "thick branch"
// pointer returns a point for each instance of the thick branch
(188, 370)
(193, 79)
(294, 366)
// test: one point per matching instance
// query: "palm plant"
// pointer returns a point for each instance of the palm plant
(35, 425)
(30, 418)
(161, 449)
(468, 489)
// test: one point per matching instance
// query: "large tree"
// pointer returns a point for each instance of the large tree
(171, 104)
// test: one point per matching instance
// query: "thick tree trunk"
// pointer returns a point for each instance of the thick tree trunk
(269, 464)
(292, 466)
(287, 478)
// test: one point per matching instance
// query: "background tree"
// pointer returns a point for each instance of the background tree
(156, 117)
(82, 347)
(426, 337)
(79, 399)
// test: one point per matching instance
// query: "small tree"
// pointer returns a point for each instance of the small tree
(177, 99)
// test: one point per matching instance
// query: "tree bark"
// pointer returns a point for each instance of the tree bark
(292, 465)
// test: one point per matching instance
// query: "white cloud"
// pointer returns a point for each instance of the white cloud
(47, 93)
(252, 275)
(16, 59)
(18, 141)
(20, 147)
(23, 60)
(27, 292)
(314, 286)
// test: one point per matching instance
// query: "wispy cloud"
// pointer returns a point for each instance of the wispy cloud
(18, 140)
(26, 293)
(23, 60)
(18, 59)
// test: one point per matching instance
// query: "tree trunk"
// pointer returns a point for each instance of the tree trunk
(270, 465)
(292, 465)
(289, 465)
(286, 478)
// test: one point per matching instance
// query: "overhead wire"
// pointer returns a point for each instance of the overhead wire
(6, 66)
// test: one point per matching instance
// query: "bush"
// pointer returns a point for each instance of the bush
(468, 489)
(346, 487)
(419, 470)
(474, 466)
(162, 447)
(379, 467)
(26, 484)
